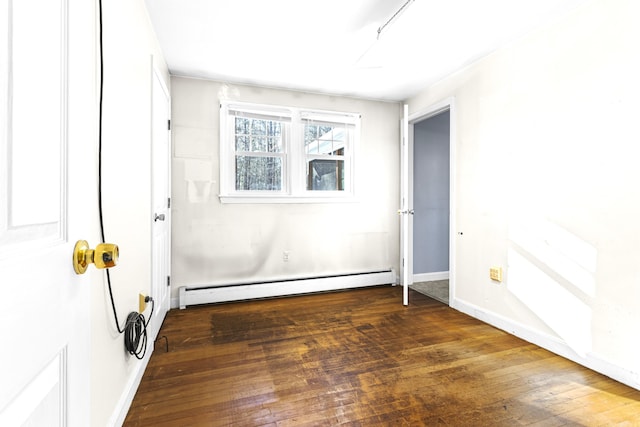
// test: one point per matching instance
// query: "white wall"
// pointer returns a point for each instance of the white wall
(129, 43)
(547, 186)
(216, 243)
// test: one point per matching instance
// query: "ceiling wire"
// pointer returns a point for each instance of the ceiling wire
(380, 30)
(395, 15)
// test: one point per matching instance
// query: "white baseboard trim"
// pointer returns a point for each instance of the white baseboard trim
(430, 277)
(548, 342)
(246, 291)
(124, 403)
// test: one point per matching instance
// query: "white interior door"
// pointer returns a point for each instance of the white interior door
(161, 204)
(47, 133)
(405, 211)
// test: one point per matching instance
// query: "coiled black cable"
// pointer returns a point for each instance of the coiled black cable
(135, 337)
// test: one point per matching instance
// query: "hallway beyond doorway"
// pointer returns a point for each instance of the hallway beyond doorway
(437, 289)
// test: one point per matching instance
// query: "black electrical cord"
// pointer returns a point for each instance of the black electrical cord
(100, 97)
(135, 337)
(135, 328)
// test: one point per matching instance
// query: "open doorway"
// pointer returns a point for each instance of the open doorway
(431, 200)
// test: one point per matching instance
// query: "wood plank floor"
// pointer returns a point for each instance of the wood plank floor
(360, 358)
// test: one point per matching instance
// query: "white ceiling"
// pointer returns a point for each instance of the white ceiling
(331, 46)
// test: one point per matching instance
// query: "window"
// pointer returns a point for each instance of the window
(258, 153)
(324, 146)
(281, 154)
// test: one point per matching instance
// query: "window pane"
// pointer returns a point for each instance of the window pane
(242, 143)
(325, 175)
(324, 139)
(311, 139)
(274, 145)
(259, 144)
(274, 134)
(242, 126)
(258, 135)
(258, 173)
(258, 127)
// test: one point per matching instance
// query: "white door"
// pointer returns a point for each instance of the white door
(161, 204)
(406, 210)
(47, 151)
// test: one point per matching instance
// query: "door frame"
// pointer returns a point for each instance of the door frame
(447, 104)
(158, 318)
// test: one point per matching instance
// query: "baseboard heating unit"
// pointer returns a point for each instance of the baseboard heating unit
(243, 291)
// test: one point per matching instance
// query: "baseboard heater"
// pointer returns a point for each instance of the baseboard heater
(243, 291)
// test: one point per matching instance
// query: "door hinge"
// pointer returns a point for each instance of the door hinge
(168, 202)
(168, 281)
(169, 124)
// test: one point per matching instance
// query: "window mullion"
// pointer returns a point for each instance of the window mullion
(296, 158)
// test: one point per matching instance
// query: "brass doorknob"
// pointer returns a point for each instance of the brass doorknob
(105, 255)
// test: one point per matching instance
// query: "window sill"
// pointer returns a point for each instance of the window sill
(266, 199)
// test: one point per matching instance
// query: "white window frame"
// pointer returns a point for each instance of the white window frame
(295, 158)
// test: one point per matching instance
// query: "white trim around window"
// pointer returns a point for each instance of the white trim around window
(275, 154)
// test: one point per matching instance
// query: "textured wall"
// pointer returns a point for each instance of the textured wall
(215, 243)
(546, 182)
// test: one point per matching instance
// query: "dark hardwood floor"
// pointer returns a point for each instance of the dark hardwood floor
(360, 358)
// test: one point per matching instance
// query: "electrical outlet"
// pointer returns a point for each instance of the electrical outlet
(495, 273)
(285, 256)
(142, 304)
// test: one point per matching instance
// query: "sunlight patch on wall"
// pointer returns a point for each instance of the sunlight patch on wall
(564, 253)
(552, 271)
(562, 311)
